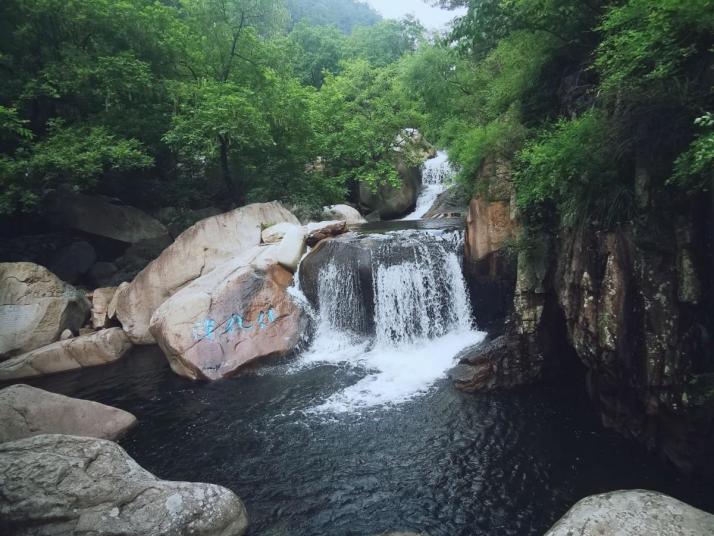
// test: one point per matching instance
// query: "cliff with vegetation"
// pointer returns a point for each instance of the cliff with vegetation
(584, 131)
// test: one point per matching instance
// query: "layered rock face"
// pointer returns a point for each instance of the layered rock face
(57, 484)
(633, 304)
(91, 350)
(26, 411)
(35, 308)
(490, 225)
(197, 251)
(633, 513)
(640, 320)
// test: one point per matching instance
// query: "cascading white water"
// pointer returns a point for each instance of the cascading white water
(417, 317)
(436, 174)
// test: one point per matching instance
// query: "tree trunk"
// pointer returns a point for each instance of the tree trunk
(234, 192)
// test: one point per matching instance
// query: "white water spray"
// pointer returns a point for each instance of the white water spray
(421, 319)
(436, 174)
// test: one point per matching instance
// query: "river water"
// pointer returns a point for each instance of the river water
(362, 433)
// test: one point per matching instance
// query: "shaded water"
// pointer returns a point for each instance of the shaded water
(444, 463)
(362, 434)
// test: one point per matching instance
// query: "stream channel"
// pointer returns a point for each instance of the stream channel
(362, 433)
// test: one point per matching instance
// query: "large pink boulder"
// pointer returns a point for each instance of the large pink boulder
(197, 251)
(237, 314)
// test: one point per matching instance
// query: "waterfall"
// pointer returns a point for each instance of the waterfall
(436, 174)
(394, 306)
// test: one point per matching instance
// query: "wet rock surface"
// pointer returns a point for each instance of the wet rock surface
(391, 202)
(27, 411)
(59, 484)
(500, 363)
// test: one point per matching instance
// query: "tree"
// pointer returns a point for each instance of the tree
(360, 114)
(318, 49)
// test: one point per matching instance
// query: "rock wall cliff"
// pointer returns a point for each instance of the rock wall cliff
(633, 303)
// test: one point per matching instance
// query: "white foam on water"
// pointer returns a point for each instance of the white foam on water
(394, 375)
(422, 319)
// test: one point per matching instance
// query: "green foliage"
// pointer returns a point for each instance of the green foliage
(571, 166)
(359, 114)
(694, 169)
(385, 42)
(499, 138)
(648, 46)
(73, 157)
(318, 50)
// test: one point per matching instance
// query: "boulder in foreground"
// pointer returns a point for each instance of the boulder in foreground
(98, 348)
(58, 484)
(27, 411)
(197, 251)
(35, 308)
(633, 513)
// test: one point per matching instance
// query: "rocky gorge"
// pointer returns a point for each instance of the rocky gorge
(255, 285)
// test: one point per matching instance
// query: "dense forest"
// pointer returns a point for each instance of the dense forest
(178, 103)
(189, 102)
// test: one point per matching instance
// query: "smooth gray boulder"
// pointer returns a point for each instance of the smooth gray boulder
(36, 307)
(27, 411)
(59, 484)
(633, 513)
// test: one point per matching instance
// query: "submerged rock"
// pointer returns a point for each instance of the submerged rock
(238, 313)
(633, 513)
(197, 251)
(93, 349)
(58, 484)
(27, 411)
(35, 308)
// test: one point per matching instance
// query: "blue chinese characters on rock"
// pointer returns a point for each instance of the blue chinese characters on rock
(208, 329)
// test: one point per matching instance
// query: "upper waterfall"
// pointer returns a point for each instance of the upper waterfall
(436, 174)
